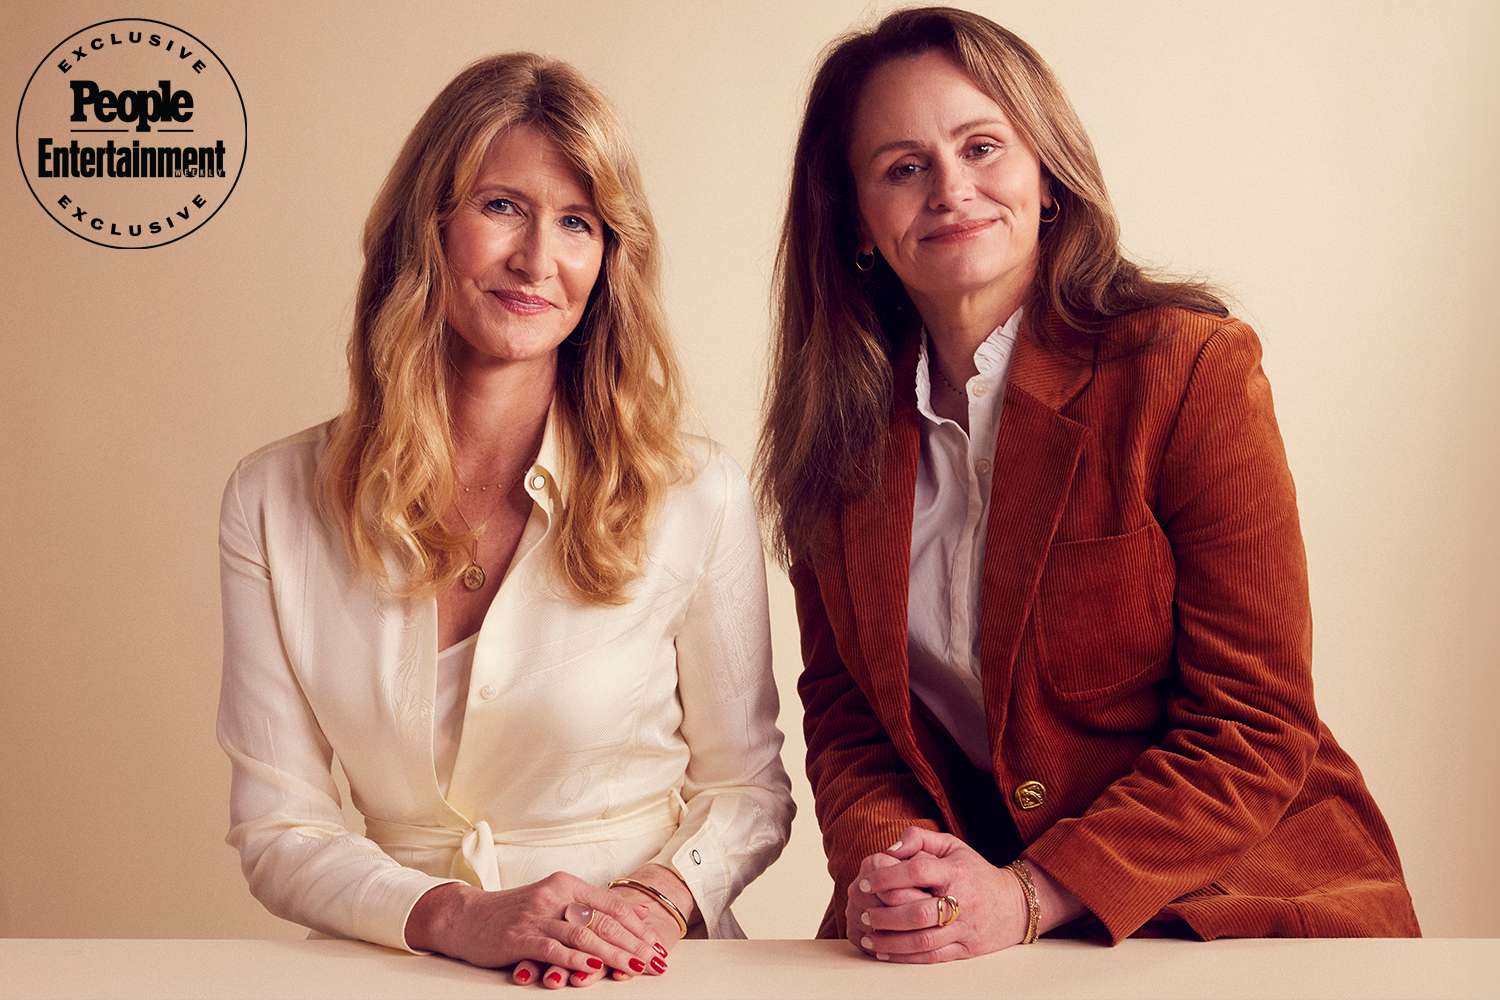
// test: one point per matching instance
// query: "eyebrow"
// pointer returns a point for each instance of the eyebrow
(577, 208)
(957, 131)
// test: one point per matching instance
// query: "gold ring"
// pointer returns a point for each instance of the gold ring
(947, 910)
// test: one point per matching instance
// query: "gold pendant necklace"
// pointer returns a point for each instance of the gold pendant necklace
(473, 577)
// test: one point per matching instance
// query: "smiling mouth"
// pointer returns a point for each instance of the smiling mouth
(520, 303)
(959, 231)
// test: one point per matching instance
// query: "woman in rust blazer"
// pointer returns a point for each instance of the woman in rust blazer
(1044, 541)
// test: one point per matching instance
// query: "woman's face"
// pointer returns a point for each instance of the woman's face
(949, 193)
(524, 250)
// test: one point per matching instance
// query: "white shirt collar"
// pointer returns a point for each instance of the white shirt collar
(992, 358)
(543, 478)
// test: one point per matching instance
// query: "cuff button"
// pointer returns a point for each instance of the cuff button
(697, 858)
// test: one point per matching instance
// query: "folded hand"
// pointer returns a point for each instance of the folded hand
(898, 895)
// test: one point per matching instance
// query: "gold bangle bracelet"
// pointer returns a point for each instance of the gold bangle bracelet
(1033, 905)
(659, 896)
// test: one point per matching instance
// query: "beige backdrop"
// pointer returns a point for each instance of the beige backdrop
(1330, 164)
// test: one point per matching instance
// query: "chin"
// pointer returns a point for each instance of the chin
(963, 272)
(962, 281)
(510, 347)
(521, 353)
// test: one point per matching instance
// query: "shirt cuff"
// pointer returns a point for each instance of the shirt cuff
(387, 904)
(698, 862)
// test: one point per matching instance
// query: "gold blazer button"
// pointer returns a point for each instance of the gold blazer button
(1030, 794)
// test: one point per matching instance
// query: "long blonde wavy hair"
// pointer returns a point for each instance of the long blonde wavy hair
(836, 329)
(388, 474)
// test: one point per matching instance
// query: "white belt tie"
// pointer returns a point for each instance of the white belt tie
(477, 848)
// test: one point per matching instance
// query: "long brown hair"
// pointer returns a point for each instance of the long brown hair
(388, 476)
(836, 329)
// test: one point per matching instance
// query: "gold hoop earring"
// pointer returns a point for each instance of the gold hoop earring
(1056, 211)
(864, 260)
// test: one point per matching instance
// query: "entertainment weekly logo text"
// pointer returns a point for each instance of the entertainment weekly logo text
(131, 133)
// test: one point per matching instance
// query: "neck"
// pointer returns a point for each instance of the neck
(498, 412)
(958, 324)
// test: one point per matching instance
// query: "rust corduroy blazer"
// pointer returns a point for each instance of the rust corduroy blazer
(1145, 642)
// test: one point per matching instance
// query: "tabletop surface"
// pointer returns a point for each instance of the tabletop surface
(1161, 969)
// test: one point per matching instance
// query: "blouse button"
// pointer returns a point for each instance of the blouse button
(538, 481)
(980, 390)
(697, 858)
(982, 466)
(487, 692)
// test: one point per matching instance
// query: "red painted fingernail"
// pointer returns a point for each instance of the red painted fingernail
(593, 963)
(556, 977)
(660, 950)
(658, 965)
(523, 975)
(636, 965)
(580, 977)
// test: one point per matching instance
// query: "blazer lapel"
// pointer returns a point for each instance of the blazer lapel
(876, 532)
(1036, 454)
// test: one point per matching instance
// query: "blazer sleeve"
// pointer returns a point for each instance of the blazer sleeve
(297, 856)
(864, 793)
(738, 807)
(1242, 727)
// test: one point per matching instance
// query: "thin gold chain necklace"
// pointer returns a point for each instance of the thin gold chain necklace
(933, 365)
(943, 377)
(473, 575)
(508, 484)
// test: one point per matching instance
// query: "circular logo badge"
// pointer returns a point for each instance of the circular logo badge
(131, 133)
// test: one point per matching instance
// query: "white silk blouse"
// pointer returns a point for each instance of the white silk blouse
(455, 665)
(593, 739)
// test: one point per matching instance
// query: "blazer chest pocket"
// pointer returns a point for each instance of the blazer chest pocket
(1103, 614)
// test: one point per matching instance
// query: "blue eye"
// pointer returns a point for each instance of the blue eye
(576, 224)
(501, 206)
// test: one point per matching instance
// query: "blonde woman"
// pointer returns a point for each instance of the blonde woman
(523, 609)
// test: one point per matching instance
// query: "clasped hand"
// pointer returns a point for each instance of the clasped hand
(526, 926)
(893, 910)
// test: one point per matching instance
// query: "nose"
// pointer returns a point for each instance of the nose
(950, 184)
(531, 259)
